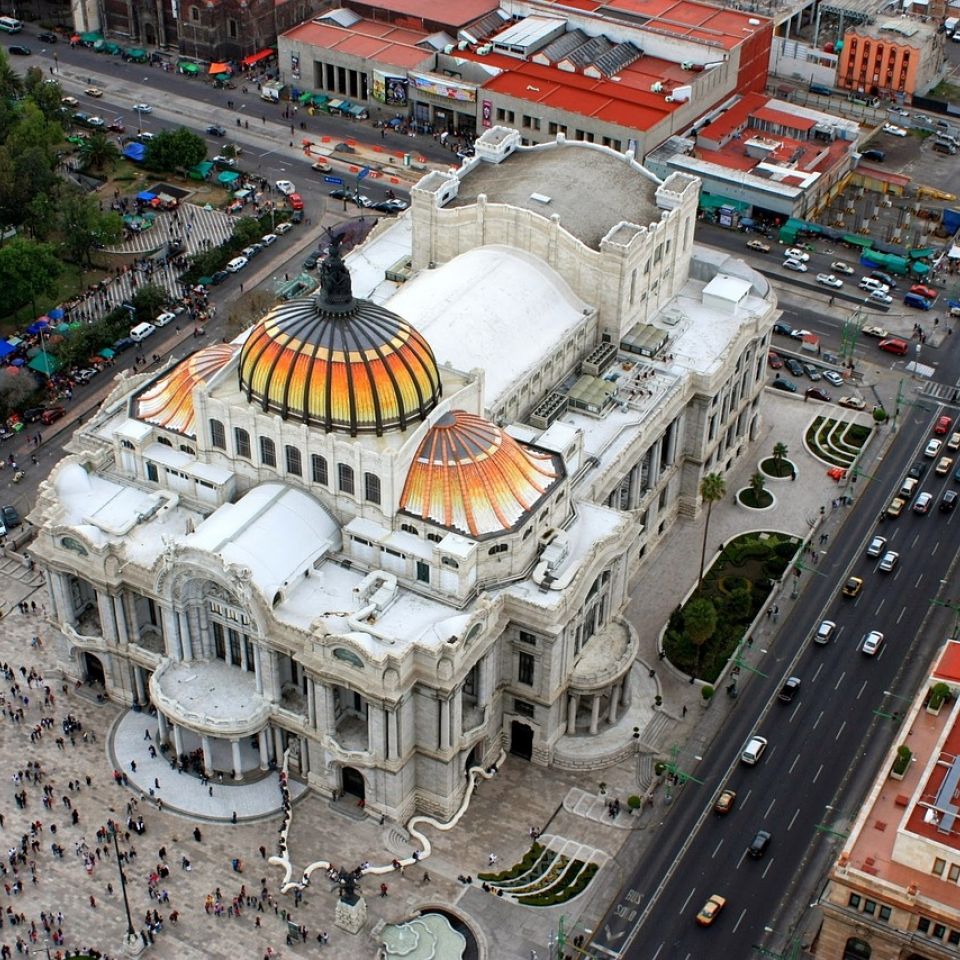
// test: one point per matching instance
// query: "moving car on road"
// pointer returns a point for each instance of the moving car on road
(791, 263)
(725, 801)
(838, 266)
(753, 751)
(795, 253)
(759, 245)
(286, 187)
(871, 643)
(852, 587)
(711, 910)
(829, 280)
(825, 632)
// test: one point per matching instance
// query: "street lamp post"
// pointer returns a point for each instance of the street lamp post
(132, 940)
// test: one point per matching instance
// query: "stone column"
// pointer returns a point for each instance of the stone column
(183, 627)
(375, 731)
(258, 666)
(595, 714)
(171, 633)
(138, 684)
(64, 598)
(235, 750)
(264, 749)
(311, 703)
(614, 703)
(456, 721)
(52, 597)
(278, 745)
(304, 756)
(655, 454)
(444, 706)
(120, 617)
(177, 739)
(482, 681)
(393, 744)
(163, 730)
(573, 704)
(207, 755)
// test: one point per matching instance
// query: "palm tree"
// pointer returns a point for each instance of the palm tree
(712, 488)
(779, 455)
(757, 484)
(700, 624)
(98, 152)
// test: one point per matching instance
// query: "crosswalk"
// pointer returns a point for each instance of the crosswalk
(946, 393)
(198, 227)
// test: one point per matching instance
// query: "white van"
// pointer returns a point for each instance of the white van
(141, 331)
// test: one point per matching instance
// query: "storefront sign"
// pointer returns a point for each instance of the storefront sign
(487, 119)
(387, 89)
(441, 87)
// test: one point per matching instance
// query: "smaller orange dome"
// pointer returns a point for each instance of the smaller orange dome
(470, 476)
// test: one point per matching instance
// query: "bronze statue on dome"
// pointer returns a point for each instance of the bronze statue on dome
(335, 287)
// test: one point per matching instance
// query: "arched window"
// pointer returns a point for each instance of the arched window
(294, 464)
(410, 528)
(165, 441)
(318, 467)
(856, 949)
(268, 452)
(241, 441)
(371, 487)
(499, 548)
(345, 478)
(218, 436)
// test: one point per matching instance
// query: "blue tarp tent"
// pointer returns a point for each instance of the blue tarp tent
(5, 348)
(135, 152)
(146, 196)
(36, 327)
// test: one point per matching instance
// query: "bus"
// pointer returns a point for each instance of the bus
(10, 25)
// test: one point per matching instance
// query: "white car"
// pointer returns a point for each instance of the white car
(795, 253)
(164, 319)
(933, 448)
(793, 264)
(831, 376)
(142, 108)
(829, 280)
(889, 561)
(282, 228)
(894, 130)
(840, 267)
(69, 101)
(871, 643)
(753, 751)
(237, 264)
(880, 296)
(877, 546)
(871, 283)
(824, 632)
(268, 238)
(286, 187)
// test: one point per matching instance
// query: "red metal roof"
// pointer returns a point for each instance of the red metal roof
(455, 14)
(789, 120)
(379, 42)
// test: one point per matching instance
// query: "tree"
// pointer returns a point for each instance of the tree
(175, 149)
(17, 388)
(27, 268)
(712, 488)
(700, 622)
(779, 455)
(11, 83)
(148, 301)
(757, 484)
(98, 152)
(85, 226)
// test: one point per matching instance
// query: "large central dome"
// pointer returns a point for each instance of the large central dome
(338, 362)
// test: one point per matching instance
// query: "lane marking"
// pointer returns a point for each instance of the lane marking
(739, 920)
(767, 869)
(902, 612)
(816, 776)
(840, 731)
(817, 721)
(717, 849)
(817, 674)
(917, 584)
(880, 604)
(796, 760)
(796, 813)
(936, 547)
(772, 802)
(796, 710)
(687, 901)
(840, 680)
(864, 687)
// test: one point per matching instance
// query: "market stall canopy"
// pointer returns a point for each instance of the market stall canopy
(201, 171)
(134, 151)
(44, 363)
(37, 327)
(106, 353)
(257, 57)
(5, 349)
(55, 314)
(227, 177)
(219, 68)
(146, 196)
(188, 67)
(137, 53)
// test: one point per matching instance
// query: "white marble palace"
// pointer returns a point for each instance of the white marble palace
(392, 526)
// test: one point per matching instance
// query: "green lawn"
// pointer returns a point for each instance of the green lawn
(72, 281)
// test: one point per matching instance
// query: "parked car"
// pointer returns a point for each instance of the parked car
(221, 161)
(217, 278)
(116, 126)
(877, 156)
(829, 280)
(281, 228)
(831, 376)
(164, 318)
(781, 383)
(880, 296)
(784, 329)
(237, 264)
(894, 345)
(924, 291)
(295, 201)
(52, 415)
(321, 166)
(774, 360)
(795, 253)
(124, 343)
(46, 36)
(796, 265)
(95, 92)
(391, 205)
(871, 283)
(215, 130)
(18, 50)
(69, 101)
(813, 372)
(815, 393)
(10, 517)
(794, 366)
(142, 108)
(311, 261)
(839, 266)
(852, 403)
(894, 130)
(286, 187)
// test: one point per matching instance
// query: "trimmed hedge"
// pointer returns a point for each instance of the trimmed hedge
(529, 859)
(580, 881)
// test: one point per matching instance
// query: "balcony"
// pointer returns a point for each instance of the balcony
(351, 734)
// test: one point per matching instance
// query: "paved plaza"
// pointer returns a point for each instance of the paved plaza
(568, 807)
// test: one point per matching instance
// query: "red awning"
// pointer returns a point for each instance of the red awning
(257, 57)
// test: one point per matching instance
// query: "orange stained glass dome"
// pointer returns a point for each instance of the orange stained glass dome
(470, 476)
(340, 363)
(168, 402)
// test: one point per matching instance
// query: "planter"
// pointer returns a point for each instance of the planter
(896, 776)
(934, 707)
(767, 467)
(767, 500)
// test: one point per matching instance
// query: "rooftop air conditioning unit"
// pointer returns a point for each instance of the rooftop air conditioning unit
(463, 44)
(686, 65)
(449, 48)
(485, 49)
(754, 22)
(657, 87)
(668, 99)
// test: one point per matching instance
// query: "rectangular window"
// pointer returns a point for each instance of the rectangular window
(923, 925)
(939, 866)
(345, 478)
(854, 901)
(870, 906)
(218, 436)
(954, 872)
(152, 475)
(294, 464)
(525, 669)
(528, 638)
(218, 645)
(318, 467)
(268, 452)
(371, 487)
(884, 914)
(523, 708)
(423, 572)
(938, 931)
(954, 938)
